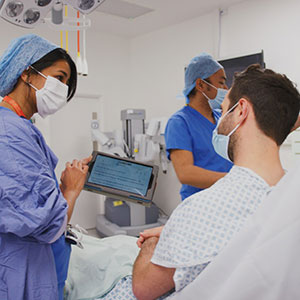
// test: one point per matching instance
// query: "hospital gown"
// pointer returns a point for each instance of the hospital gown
(262, 261)
(123, 291)
(204, 223)
(201, 226)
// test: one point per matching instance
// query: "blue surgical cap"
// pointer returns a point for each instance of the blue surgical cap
(202, 66)
(21, 53)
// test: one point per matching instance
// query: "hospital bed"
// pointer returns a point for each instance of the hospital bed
(262, 261)
(95, 269)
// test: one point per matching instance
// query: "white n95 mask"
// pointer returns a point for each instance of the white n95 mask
(217, 101)
(220, 141)
(52, 97)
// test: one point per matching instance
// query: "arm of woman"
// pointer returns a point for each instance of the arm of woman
(72, 181)
(190, 174)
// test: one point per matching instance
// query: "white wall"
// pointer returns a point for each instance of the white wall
(271, 25)
(158, 59)
(157, 65)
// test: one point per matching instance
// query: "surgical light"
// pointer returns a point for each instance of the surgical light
(31, 16)
(29, 13)
(25, 13)
(42, 2)
(14, 8)
(85, 6)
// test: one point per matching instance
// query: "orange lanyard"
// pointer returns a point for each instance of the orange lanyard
(15, 106)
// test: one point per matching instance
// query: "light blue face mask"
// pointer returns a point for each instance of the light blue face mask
(217, 101)
(220, 141)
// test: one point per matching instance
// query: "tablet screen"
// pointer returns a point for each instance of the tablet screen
(122, 175)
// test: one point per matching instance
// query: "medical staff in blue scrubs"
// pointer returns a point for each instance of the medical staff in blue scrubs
(36, 76)
(189, 131)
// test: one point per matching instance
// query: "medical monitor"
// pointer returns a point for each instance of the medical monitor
(238, 64)
(121, 178)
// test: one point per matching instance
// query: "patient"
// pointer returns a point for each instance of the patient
(262, 260)
(258, 113)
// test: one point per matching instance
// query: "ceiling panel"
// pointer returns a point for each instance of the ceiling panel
(131, 18)
(123, 9)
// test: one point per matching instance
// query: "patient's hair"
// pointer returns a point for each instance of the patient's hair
(275, 100)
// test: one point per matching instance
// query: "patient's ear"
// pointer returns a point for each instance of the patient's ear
(244, 108)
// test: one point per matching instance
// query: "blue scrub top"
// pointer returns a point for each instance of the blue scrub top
(32, 210)
(188, 130)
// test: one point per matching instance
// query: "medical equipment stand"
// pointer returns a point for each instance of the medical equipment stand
(125, 217)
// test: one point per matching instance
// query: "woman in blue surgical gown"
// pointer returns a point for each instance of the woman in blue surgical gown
(35, 77)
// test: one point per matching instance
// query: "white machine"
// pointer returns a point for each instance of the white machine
(144, 145)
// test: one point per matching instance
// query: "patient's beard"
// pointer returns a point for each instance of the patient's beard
(225, 128)
(232, 146)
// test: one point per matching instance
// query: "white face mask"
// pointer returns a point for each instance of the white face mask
(220, 141)
(217, 101)
(50, 98)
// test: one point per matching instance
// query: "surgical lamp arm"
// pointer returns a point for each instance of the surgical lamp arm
(99, 136)
(108, 145)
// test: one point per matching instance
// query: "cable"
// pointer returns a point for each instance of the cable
(67, 32)
(79, 59)
(220, 32)
(61, 39)
(126, 148)
(78, 35)
(84, 62)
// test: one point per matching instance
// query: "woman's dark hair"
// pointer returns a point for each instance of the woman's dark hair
(52, 57)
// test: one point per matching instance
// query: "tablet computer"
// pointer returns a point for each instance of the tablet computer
(121, 178)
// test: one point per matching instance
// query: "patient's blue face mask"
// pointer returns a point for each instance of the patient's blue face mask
(220, 141)
(217, 101)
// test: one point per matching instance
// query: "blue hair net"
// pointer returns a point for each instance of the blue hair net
(21, 53)
(202, 66)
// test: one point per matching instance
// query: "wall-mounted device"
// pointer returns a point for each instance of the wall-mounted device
(240, 63)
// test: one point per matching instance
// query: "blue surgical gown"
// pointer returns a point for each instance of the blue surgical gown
(188, 130)
(32, 211)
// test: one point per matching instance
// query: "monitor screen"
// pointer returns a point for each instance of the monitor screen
(120, 174)
(238, 64)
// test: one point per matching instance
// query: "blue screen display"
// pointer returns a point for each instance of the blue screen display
(122, 175)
